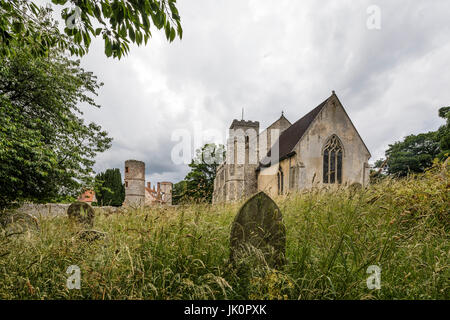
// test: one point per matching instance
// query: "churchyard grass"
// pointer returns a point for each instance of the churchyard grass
(182, 252)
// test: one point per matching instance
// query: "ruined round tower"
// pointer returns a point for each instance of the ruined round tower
(134, 183)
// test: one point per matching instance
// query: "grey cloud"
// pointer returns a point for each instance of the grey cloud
(269, 56)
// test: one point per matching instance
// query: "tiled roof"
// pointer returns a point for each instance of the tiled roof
(87, 196)
(289, 138)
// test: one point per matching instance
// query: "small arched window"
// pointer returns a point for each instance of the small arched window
(332, 160)
(280, 177)
(247, 149)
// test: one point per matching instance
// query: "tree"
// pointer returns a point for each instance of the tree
(414, 154)
(109, 189)
(178, 192)
(119, 22)
(46, 148)
(199, 182)
(417, 152)
(443, 134)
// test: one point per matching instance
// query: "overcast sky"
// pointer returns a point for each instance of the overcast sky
(268, 56)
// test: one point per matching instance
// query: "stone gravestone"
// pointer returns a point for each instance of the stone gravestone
(356, 186)
(90, 235)
(18, 223)
(259, 225)
(82, 213)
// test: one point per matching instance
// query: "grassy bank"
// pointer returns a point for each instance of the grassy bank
(181, 253)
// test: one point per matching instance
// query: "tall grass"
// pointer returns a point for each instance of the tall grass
(182, 253)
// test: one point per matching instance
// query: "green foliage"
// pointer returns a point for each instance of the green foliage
(46, 148)
(199, 182)
(181, 252)
(178, 191)
(119, 22)
(443, 134)
(25, 25)
(109, 188)
(416, 153)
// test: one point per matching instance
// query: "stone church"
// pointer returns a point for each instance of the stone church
(321, 149)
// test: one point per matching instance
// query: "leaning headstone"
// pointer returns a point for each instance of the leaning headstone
(15, 223)
(258, 231)
(82, 213)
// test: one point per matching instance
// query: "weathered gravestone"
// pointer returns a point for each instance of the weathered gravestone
(356, 186)
(90, 235)
(82, 213)
(259, 225)
(18, 223)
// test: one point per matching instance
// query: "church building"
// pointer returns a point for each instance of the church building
(321, 149)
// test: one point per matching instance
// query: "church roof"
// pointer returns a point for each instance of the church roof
(289, 138)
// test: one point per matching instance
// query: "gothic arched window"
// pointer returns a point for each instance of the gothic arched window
(332, 160)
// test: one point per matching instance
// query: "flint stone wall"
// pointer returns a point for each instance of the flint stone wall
(56, 209)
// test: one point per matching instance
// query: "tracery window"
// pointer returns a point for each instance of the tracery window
(332, 160)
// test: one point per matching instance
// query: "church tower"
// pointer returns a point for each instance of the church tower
(242, 159)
